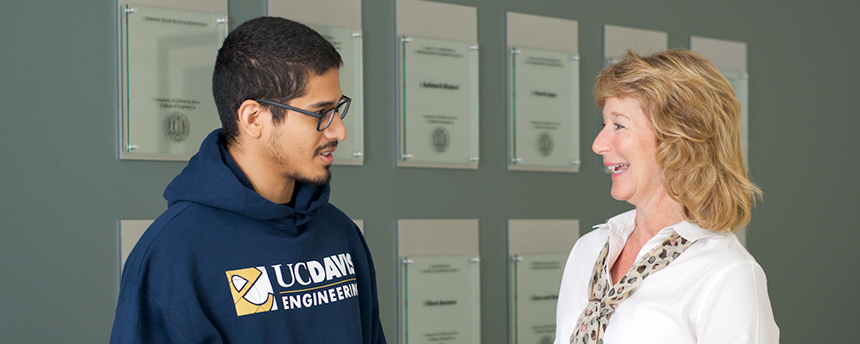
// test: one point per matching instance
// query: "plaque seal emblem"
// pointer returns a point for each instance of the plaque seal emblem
(177, 127)
(441, 139)
(545, 144)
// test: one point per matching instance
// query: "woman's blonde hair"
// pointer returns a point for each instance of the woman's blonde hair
(696, 118)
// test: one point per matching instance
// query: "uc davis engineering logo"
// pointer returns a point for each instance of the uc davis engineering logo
(252, 291)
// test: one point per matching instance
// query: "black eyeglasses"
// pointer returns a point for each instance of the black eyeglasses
(325, 116)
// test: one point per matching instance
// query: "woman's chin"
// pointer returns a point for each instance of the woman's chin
(619, 195)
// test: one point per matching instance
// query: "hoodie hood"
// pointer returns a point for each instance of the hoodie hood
(213, 179)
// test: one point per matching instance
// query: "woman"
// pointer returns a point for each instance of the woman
(672, 141)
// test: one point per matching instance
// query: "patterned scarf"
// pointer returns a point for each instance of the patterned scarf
(603, 299)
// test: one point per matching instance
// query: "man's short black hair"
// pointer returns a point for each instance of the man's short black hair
(267, 58)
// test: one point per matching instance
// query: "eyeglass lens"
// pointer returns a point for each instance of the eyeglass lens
(328, 117)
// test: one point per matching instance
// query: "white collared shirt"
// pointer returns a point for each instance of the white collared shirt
(714, 292)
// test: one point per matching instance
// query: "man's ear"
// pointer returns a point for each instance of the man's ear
(251, 117)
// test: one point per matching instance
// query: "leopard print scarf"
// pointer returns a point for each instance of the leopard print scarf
(603, 299)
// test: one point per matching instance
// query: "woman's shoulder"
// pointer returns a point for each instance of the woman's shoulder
(720, 259)
(591, 242)
(723, 248)
(596, 238)
(598, 233)
(712, 246)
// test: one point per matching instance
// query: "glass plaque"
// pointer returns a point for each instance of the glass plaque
(348, 43)
(539, 250)
(536, 279)
(740, 83)
(441, 300)
(130, 232)
(439, 103)
(167, 60)
(544, 128)
(618, 39)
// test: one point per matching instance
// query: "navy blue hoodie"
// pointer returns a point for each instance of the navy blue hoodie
(225, 265)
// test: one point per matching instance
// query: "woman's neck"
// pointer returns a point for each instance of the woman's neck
(652, 217)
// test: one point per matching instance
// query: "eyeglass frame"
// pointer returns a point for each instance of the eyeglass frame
(344, 101)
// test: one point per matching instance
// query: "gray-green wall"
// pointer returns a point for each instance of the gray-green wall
(63, 190)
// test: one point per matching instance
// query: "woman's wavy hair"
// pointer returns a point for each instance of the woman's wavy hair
(696, 118)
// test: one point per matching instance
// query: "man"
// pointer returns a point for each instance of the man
(249, 250)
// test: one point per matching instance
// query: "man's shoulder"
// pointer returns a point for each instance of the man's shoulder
(332, 214)
(164, 238)
(176, 216)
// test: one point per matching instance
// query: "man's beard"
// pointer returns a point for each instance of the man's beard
(317, 181)
(284, 160)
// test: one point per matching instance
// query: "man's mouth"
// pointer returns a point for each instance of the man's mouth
(327, 149)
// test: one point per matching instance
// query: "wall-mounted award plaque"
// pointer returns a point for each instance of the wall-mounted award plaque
(618, 39)
(348, 43)
(538, 251)
(437, 118)
(167, 57)
(544, 121)
(740, 83)
(441, 299)
(438, 123)
(339, 21)
(439, 290)
(360, 224)
(535, 282)
(543, 93)
(731, 58)
(130, 232)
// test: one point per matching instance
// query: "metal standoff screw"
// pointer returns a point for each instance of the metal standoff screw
(221, 21)
(473, 159)
(407, 261)
(516, 160)
(517, 258)
(574, 162)
(473, 47)
(407, 156)
(132, 147)
(405, 39)
(356, 34)
(475, 259)
(574, 57)
(515, 51)
(130, 10)
(357, 154)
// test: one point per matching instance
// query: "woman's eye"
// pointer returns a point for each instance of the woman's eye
(618, 126)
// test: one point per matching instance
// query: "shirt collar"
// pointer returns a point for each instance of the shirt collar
(621, 225)
(692, 231)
